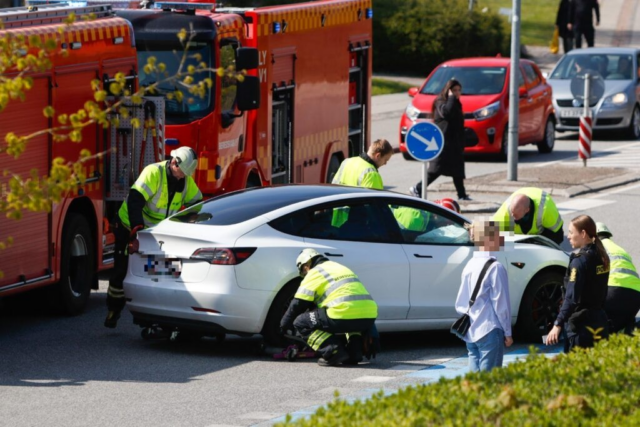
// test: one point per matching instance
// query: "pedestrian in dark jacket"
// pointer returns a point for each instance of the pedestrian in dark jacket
(581, 13)
(448, 116)
(562, 23)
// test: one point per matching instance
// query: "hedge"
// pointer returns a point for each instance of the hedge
(596, 387)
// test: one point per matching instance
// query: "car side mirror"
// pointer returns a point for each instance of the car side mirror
(522, 93)
(246, 58)
(248, 94)
(413, 91)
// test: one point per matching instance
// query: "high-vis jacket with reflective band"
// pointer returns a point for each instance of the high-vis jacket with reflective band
(357, 172)
(622, 272)
(411, 219)
(152, 184)
(546, 213)
(333, 286)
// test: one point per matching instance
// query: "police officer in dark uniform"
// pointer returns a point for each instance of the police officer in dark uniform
(582, 313)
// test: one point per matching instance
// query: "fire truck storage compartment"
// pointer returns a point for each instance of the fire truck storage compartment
(129, 150)
(282, 134)
(28, 257)
(358, 88)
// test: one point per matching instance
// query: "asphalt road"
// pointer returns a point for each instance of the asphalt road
(58, 371)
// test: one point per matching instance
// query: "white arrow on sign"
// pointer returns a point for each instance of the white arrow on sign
(430, 145)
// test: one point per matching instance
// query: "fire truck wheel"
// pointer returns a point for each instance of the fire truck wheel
(332, 170)
(253, 181)
(77, 265)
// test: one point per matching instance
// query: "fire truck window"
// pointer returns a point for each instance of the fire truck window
(190, 107)
(229, 84)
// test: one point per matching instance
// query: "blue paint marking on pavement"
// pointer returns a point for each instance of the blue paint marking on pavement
(450, 369)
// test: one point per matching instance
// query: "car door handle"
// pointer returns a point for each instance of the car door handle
(422, 256)
(330, 254)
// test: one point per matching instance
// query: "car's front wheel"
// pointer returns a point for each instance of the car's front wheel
(540, 306)
(407, 156)
(634, 124)
(549, 138)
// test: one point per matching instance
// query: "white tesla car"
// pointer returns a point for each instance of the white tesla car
(227, 265)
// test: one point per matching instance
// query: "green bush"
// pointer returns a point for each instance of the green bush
(597, 387)
(414, 36)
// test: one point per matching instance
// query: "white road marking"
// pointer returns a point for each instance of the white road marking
(575, 205)
(372, 379)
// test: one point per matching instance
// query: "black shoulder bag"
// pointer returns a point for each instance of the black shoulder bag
(461, 326)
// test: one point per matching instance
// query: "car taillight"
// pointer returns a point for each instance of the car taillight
(223, 256)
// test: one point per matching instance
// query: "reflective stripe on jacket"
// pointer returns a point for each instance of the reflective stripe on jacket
(333, 286)
(545, 213)
(622, 272)
(152, 184)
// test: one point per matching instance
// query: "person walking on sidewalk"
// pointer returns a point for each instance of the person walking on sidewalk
(623, 291)
(449, 117)
(582, 313)
(531, 211)
(581, 15)
(362, 170)
(490, 329)
(563, 25)
(160, 191)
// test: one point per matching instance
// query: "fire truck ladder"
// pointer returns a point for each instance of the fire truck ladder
(50, 14)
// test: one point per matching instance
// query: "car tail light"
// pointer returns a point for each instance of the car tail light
(223, 256)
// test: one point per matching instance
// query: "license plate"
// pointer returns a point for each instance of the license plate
(571, 112)
(163, 267)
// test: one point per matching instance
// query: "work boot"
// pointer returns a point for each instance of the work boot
(338, 356)
(112, 319)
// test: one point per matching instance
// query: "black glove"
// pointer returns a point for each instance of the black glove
(286, 330)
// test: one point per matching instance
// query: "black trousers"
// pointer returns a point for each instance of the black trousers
(621, 306)
(115, 294)
(457, 181)
(317, 320)
(584, 337)
(589, 34)
(567, 42)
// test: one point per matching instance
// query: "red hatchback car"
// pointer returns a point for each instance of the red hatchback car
(485, 101)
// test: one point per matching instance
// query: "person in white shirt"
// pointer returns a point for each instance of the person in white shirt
(490, 330)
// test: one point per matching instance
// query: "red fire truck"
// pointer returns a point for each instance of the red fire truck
(314, 75)
(69, 245)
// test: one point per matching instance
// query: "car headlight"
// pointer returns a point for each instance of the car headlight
(615, 100)
(487, 112)
(412, 112)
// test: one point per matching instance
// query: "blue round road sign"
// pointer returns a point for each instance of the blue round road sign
(424, 141)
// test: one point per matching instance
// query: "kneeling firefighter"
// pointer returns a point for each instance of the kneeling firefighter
(330, 300)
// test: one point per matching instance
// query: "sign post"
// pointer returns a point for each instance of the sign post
(584, 150)
(587, 88)
(424, 143)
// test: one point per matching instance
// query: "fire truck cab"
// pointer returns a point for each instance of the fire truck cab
(305, 107)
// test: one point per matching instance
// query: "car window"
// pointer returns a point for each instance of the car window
(532, 76)
(609, 67)
(357, 221)
(428, 225)
(474, 80)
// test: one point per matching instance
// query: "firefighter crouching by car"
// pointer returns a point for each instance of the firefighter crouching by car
(330, 300)
(623, 290)
(531, 211)
(147, 205)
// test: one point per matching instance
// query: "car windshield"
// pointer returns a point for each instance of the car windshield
(609, 67)
(191, 107)
(474, 80)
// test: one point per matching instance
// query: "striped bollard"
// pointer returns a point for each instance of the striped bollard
(584, 150)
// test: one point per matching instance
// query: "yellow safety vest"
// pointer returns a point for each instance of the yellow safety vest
(411, 219)
(357, 172)
(152, 184)
(545, 213)
(622, 272)
(333, 286)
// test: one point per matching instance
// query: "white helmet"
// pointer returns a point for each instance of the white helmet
(603, 230)
(186, 158)
(305, 256)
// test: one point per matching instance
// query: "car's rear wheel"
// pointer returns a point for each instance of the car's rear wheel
(540, 306)
(549, 138)
(634, 124)
(271, 328)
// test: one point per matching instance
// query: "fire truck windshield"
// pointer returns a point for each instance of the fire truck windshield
(191, 107)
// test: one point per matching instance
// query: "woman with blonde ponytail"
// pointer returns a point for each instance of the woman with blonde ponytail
(582, 313)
